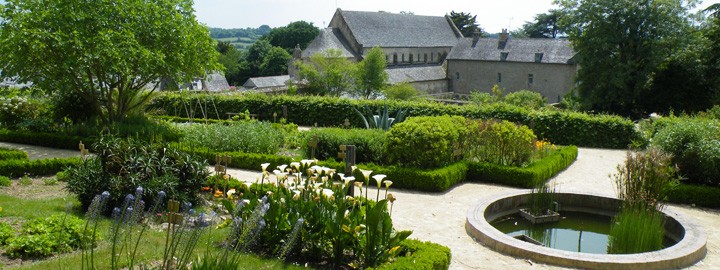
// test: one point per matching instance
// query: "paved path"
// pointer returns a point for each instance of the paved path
(440, 217)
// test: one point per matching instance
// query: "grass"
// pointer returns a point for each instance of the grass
(20, 204)
(636, 230)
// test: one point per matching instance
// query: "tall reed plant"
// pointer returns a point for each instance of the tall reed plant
(636, 229)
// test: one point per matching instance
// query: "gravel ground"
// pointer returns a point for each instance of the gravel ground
(440, 217)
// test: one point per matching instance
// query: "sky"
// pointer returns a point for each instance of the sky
(491, 15)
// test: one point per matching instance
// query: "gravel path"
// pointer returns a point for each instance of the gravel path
(440, 218)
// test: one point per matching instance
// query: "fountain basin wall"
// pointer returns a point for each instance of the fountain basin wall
(689, 249)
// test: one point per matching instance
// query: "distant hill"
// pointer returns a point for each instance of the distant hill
(240, 38)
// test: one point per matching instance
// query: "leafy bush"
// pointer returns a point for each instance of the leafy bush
(401, 91)
(704, 196)
(38, 167)
(645, 179)
(426, 142)
(499, 142)
(123, 164)
(21, 112)
(8, 153)
(558, 127)
(5, 181)
(245, 136)
(369, 143)
(526, 99)
(6, 232)
(422, 256)
(527, 177)
(43, 237)
(695, 148)
(138, 127)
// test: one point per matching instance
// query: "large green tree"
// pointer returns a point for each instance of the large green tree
(287, 37)
(371, 76)
(105, 51)
(230, 59)
(620, 44)
(465, 22)
(275, 62)
(327, 73)
(545, 25)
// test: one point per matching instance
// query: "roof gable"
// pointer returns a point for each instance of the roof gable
(265, 82)
(386, 29)
(329, 38)
(555, 51)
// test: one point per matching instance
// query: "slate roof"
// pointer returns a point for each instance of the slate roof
(329, 38)
(556, 51)
(266, 82)
(216, 82)
(387, 30)
(415, 74)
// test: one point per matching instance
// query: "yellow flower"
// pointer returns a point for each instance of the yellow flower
(387, 184)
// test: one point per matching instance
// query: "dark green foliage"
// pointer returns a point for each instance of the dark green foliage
(545, 25)
(369, 143)
(465, 22)
(9, 153)
(382, 119)
(432, 180)
(295, 33)
(43, 237)
(18, 167)
(703, 196)
(498, 142)
(426, 142)
(527, 177)
(122, 165)
(422, 256)
(54, 140)
(526, 99)
(558, 127)
(695, 147)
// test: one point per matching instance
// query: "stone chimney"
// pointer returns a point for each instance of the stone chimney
(502, 40)
(476, 37)
(297, 53)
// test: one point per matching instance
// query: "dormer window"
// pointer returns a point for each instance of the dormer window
(538, 57)
(503, 56)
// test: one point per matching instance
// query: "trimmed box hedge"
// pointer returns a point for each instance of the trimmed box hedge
(8, 153)
(423, 256)
(239, 160)
(53, 140)
(559, 127)
(705, 196)
(525, 177)
(18, 167)
(369, 143)
(434, 180)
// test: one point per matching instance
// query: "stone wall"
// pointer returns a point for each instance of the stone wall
(551, 80)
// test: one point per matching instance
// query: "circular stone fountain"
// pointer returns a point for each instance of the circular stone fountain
(689, 249)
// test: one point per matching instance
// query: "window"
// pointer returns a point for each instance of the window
(425, 58)
(387, 57)
(395, 59)
(530, 80)
(432, 57)
(503, 56)
(457, 75)
(499, 79)
(411, 58)
(538, 57)
(403, 58)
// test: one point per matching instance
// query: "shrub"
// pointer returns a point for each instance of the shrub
(246, 136)
(499, 142)
(21, 112)
(38, 167)
(645, 179)
(695, 148)
(54, 140)
(240, 160)
(401, 91)
(527, 177)
(122, 165)
(8, 153)
(369, 143)
(422, 256)
(426, 142)
(6, 233)
(43, 237)
(704, 196)
(526, 99)
(5, 181)
(432, 180)
(558, 127)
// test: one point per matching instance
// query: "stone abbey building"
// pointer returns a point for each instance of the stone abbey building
(430, 53)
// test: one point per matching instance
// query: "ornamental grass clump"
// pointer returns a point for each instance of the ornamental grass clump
(643, 183)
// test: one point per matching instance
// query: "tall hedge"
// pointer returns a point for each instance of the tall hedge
(369, 143)
(559, 127)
